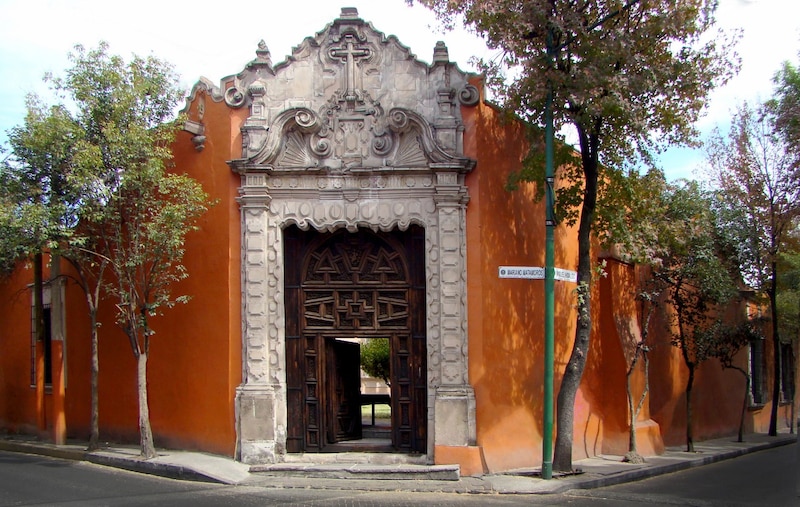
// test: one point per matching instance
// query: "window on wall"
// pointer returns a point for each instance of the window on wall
(787, 372)
(47, 348)
(757, 372)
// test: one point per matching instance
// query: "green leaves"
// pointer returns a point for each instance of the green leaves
(759, 188)
(150, 215)
(631, 77)
(88, 177)
(692, 270)
(375, 358)
(785, 105)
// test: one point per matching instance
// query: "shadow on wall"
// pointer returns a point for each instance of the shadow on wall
(507, 315)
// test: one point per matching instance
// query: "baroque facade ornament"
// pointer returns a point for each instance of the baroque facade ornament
(352, 131)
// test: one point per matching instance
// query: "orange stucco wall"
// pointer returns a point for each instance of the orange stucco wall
(195, 357)
(17, 401)
(717, 396)
(195, 363)
(506, 316)
(505, 328)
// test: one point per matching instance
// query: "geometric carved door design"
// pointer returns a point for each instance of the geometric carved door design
(341, 286)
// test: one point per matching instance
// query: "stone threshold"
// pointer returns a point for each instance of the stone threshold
(350, 470)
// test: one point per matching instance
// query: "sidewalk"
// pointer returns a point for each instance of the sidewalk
(594, 472)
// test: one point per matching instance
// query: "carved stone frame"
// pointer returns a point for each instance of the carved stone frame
(271, 199)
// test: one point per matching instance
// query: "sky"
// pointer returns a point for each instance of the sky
(216, 39)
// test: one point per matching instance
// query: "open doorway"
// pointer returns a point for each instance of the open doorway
(376, 401)
(346, 291)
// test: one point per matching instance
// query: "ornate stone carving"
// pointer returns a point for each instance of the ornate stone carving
(234, 97)
(197, 129)
(468, 95)
(351, 132)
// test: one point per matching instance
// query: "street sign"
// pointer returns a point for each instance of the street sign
(535, 273)
(566, 275)
(528, 272)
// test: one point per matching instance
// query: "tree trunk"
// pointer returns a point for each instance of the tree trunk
(632, 414)
(92, 296)
(571, 381)
(744, 403)
(38, 333)
(689, 433)
(635, 409)
(145, 432)
(94, 435)
(776, 357)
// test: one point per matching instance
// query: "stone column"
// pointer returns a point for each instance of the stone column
(454, 398)
(258, 397)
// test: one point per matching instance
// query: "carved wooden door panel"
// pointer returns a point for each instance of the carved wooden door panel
(343, 385)
(345, 285)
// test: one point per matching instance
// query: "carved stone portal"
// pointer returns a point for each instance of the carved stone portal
(320, 151)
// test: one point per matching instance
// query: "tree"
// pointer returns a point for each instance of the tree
(375, 357)
(697, 280)
(726, 343)
(138, 215)
(12, 249)
(124, 212)
(785, 105)
(644, 201)
(630, 77)
(39, 178)
(123, 110)
(648, 297)
(758, 179)
(150, 214)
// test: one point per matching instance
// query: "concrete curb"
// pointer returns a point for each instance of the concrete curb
(361, 471)
(168, 470)
(100, 457)
(49, 450)
(597, 472)
(677, 466)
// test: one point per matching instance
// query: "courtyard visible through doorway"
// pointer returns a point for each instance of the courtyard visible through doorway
(346, 291)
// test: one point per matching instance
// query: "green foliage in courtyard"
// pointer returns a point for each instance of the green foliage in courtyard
(375, 358)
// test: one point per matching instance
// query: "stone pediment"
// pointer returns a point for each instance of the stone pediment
(348, 99)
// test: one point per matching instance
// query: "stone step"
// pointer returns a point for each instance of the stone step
(377, 433)
(403, 471)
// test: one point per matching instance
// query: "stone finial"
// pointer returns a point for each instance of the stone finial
(263, 59)
(440, 53)
(349, 13)
(262, 53)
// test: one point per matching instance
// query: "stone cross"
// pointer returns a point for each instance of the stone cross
(348, 53)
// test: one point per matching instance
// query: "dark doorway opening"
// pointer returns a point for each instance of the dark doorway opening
(344, 289)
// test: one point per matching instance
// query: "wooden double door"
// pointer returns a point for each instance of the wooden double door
(343, 288)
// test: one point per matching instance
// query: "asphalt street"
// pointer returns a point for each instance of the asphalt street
(762, 478)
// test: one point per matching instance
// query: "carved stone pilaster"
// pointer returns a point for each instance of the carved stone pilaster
(454, 397)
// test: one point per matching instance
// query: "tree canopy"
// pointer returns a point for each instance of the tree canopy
(630, 77)
(759, 186)
(91, 182)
